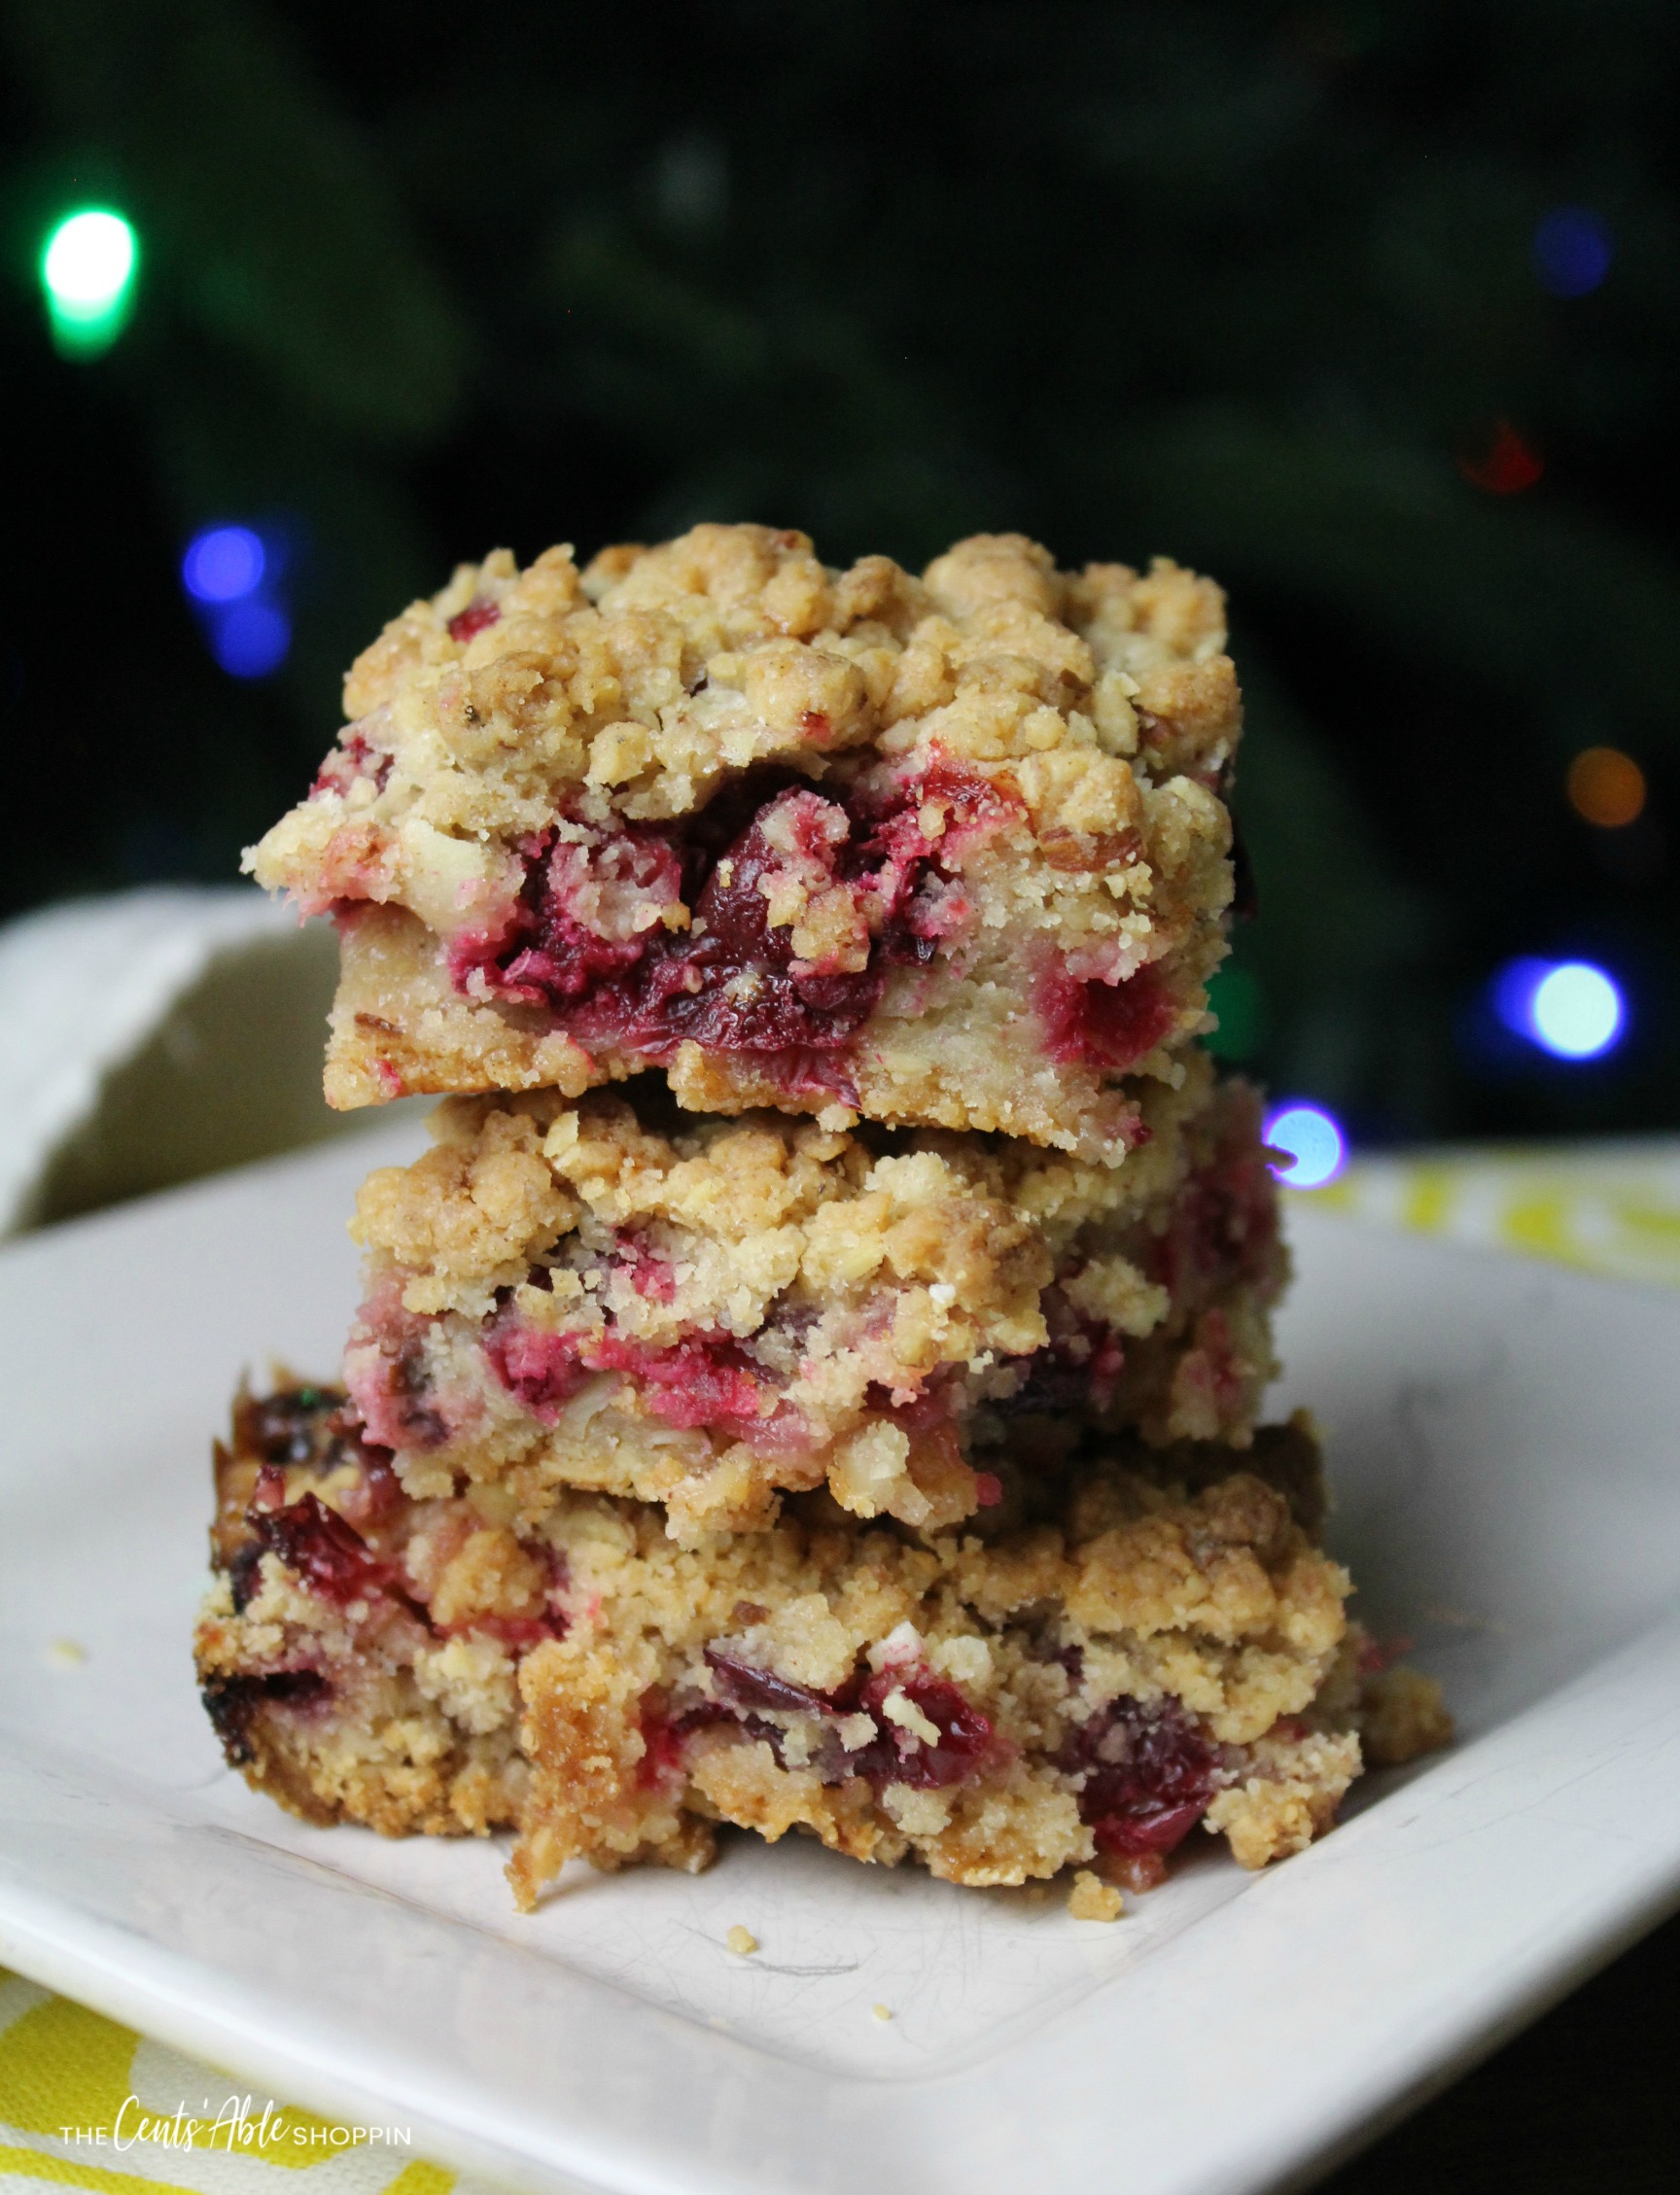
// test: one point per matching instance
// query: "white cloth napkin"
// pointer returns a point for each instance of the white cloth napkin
(153, 1036)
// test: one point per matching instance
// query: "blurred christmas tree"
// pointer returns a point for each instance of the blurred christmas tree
(1369, 311)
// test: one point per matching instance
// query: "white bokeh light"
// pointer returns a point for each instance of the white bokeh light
(89, 263)
(1577, 1011)
(1312, 1140)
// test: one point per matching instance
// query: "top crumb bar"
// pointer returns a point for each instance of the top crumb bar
(946, 851)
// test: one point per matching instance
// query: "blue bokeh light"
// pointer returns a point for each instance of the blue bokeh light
(223, 564)
(251, 639)
(1571, 251)
(1567, 1008)
(1312, 1140)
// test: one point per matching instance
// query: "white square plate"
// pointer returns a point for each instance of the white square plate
(1503, 1442)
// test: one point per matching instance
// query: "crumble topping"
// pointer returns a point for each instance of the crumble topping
(652, 814)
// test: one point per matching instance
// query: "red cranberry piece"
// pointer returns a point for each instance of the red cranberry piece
(293, 1426)
(703, 1380)
(232, 1704)
(898, 1757)
(1150, 1776)
(543, 1369)
(477, 614)
(733, 989)
(666, 1734)
(580, 888)
(1107, 1026)
(329, 1555)
(729, 982)
(355, 756)
(744, 1684)
(1077, 1367)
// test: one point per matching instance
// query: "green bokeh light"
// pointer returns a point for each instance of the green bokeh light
(89, 265)
(1240, 1005)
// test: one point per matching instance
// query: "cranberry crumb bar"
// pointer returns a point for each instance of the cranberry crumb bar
(704, 1313)
(1119, 1652)
(946, 851)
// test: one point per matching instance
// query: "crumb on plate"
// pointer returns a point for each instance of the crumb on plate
(1092, 1899)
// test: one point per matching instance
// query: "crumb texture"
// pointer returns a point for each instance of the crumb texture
(709, 1314)
(949, 851)
(1143, 1645)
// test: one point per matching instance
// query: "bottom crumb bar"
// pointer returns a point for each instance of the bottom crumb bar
(1150, 1641)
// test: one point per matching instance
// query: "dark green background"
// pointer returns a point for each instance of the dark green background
(1240, 282)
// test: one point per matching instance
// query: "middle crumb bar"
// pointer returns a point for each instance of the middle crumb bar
(708, 1313)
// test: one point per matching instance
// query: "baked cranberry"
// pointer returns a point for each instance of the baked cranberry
(328, 1553)
(1107, 1026)
(741, 1683)
(666, 1731)
(1079, 1366)
(243, 1575)
(588, 912)
(1150, 1776)
(731, 981)
(703, 1380)
(355, 756)
(898, 1755)
(543, 1369)
(293, 1426)
(748, 1694)
(477, 614)
(232, 1704)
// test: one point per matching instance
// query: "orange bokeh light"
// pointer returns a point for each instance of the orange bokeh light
(1605, 786)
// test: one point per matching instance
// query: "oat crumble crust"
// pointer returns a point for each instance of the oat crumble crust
(1045, 751)
(1149, 1641)
(707, 1314)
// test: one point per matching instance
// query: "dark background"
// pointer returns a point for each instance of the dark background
(1254, 285)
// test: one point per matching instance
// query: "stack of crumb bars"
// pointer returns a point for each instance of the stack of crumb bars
(811, 1381)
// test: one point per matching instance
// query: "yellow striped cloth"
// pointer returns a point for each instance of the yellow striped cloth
(89, 2103)
(1606, 1207)
(92, 2105)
